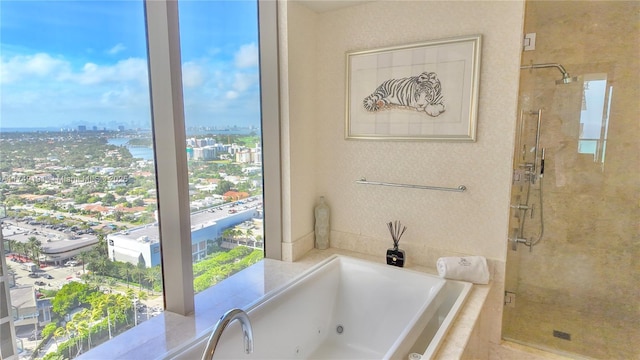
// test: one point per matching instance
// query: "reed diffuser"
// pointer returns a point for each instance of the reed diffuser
(395, 256)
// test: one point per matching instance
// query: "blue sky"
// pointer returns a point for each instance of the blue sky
(83, 62)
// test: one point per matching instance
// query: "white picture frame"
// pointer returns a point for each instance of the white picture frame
(420, 91)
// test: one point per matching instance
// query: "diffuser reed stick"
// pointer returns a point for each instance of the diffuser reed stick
(395, 256)
(397, 230)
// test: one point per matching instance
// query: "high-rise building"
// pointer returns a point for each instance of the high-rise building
(8, 349)
(204, 153)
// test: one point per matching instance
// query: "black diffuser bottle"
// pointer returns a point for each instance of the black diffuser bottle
(395, 256)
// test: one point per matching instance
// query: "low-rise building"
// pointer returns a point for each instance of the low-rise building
(57, 247)
(141, 245)
(60, 250)
(23, 305)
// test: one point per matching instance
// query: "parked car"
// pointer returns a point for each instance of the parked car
(35, 336)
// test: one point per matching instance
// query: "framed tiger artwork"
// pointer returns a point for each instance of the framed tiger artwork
(419, 91)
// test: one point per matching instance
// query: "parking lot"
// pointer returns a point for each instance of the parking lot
(50, 277)
(54, 277)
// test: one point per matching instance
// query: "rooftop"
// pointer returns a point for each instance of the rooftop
(200, 219)
(23, 296)
(53, 242)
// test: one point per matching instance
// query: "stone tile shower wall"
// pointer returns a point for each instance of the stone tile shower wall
(583, 276)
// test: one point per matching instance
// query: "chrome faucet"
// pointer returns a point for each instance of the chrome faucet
(229, 316)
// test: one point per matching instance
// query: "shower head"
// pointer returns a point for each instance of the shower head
(566, 78)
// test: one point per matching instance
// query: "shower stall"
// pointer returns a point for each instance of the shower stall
(573, 261)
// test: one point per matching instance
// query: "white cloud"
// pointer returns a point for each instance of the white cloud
(42, 70)
(40, 88)
(132, 69)
(39, 65)
(116, 49)
(124, 96)
(113, 96)
(192, 74)
(247, 56)
(243, 81)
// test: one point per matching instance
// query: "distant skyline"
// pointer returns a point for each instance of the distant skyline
(71, 63)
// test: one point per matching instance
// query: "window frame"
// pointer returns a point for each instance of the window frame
(169, 135)
(6, 320)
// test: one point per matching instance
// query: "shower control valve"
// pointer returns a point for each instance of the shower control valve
(526, 165)
(520, 207)
(524, 207)
(516, 240)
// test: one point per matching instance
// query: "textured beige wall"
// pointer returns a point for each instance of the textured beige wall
(297, 28)
(474, 222)
(439, 223)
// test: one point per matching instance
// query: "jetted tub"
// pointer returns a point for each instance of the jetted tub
(345, 308)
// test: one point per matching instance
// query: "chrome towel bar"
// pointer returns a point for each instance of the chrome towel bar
(364, 181)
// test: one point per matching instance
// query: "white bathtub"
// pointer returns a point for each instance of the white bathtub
(345, 308)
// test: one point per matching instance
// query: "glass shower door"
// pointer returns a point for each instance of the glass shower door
(575, 290)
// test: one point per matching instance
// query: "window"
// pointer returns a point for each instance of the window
(6, 347)
(221, 89)
(7, 334)
(78, 170)
(79, 161)
(594, 116)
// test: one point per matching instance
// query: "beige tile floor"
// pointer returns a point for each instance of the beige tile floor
(592, 335)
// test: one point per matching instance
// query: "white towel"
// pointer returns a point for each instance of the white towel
(468, 268)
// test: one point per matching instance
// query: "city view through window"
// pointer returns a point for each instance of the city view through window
(82, 246)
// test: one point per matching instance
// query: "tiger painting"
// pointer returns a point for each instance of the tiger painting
(422, 93)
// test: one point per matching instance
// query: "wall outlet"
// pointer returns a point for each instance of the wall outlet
(510, 299)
